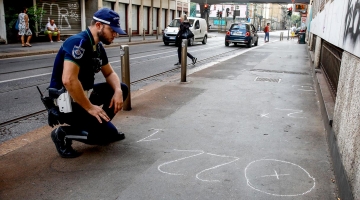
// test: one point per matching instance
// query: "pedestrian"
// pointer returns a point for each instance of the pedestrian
(24, 28)
(184, 26)
(92, 105)
(267, 30)
(293, 29)
(52, 30)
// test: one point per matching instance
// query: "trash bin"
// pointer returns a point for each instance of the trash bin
(301, 38)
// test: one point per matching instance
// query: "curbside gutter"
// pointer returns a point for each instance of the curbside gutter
(51, 51)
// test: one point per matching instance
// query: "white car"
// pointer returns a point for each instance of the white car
(198, 28)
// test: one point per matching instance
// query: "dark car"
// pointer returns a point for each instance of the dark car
(242, 33)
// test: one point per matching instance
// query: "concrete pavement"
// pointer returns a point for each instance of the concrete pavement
(245, 127)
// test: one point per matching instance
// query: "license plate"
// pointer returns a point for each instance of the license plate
(172, 38)
(237, 33)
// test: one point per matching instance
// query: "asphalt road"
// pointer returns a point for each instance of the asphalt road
(20, 76)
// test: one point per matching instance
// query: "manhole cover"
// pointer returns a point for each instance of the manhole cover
(275, 80)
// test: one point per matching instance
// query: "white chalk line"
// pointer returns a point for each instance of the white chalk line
(144, 139)
(276, 175)
(197, 175)
(289, 195)
(305, 86)
(201, 152)
(292, 113)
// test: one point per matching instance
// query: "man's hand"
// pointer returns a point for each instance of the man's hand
(99, 113)
(117, 101)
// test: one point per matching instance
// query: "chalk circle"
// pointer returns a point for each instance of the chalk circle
(278, 178)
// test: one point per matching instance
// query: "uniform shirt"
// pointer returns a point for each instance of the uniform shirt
(52, 27)
(80, 50)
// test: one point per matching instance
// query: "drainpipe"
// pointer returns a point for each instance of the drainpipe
(2, 22)
(100, 4)
(83, 17)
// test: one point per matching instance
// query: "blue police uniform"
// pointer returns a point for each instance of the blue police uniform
(81, 50)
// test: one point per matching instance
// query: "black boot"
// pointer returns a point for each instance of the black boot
(62, 144)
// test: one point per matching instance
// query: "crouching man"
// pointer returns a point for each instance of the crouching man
(92, 105)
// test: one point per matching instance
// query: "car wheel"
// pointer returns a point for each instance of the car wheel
(235, 44)
(226, 44)
(204, 40)
(249, 44)
(256, 43)
(191, 42)
(166, 43)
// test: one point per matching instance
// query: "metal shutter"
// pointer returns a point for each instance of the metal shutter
(67, 15)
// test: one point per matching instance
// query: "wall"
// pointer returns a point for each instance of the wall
(2, 21)
(347, 119)
(338, 24)
(90, 8)
(67, 15)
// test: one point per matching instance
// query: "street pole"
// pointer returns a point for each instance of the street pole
(183, 59)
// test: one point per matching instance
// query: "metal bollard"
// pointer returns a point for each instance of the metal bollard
(184, 44)
(288, 34)
(157, 32)
(125, 74)
(143, 34)
(281, 36)
(129, 34)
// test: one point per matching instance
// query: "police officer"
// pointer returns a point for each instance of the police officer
(93, 105)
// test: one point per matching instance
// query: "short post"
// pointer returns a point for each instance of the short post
(157, 32)
(183, 59)
(143, 34)
(129, 34)
(125, 74)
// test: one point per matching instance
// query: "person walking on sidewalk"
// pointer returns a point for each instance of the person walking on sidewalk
(24, 28)
(267, 30)
(78, 60)
(293, 29)
(52, 30)
(184, 26)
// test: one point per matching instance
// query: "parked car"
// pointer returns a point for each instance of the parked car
(242, 33)
(198, 28)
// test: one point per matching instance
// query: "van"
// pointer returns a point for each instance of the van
(198, 27)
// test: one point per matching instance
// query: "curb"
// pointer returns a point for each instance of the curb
(51, 51)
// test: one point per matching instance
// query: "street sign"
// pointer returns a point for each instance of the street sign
(293, 1)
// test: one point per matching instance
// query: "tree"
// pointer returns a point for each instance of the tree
(295, 19)
(35, 14)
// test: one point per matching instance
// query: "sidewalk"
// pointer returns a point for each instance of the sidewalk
(247, 127)
(16, 50)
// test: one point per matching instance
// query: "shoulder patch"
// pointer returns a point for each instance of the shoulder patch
(78, 52)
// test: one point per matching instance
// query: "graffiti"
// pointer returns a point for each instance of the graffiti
(73, 6)
(62, 15)
(352, 21)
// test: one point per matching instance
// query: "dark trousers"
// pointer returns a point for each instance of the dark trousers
(179, 54)
(80, 120)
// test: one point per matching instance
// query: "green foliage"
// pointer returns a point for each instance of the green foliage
(35, 14)
(10, 17)
(295, 19)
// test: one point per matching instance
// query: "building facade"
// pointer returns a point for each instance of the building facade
(334, 37)
(73, 16)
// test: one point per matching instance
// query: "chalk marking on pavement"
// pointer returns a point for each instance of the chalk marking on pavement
(276, 175)
(198, 174)
(292, 113)
(283, 195)
(311, 89)
(145, 139)
(265, 115)
(201, 152)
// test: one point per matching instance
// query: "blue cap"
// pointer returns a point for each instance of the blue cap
(109, 17)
